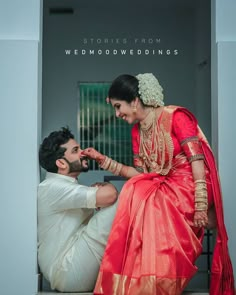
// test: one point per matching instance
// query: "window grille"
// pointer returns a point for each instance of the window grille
(98, 126)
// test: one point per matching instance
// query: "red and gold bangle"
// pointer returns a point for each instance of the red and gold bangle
(192, 149)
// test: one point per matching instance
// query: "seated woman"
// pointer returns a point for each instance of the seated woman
(164, 207)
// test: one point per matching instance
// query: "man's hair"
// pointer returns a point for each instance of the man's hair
(50, 150)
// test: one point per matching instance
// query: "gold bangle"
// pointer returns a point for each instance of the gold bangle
(106, 163)
(201, 206)
(112, 167)
(199, 181)
(118, 169)
(201, 200)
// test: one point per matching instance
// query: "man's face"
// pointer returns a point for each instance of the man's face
(76, 163)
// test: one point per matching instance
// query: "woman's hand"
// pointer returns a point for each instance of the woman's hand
(200, 219)
(93, 154)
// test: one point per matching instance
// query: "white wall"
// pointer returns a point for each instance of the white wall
(20, 127)
(224, 105)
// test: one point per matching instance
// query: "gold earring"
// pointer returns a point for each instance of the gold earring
(134, 109)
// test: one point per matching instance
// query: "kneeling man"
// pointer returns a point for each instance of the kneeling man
(72, 235)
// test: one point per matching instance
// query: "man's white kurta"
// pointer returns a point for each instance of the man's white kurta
(71, 236)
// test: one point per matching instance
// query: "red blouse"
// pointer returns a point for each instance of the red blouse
(183, 127)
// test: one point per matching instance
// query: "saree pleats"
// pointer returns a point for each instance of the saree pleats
(152, 245)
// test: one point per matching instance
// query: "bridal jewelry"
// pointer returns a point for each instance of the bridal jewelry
(156, 147)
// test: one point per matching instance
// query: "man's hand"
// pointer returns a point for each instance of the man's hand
(106, 194)
(93, 154)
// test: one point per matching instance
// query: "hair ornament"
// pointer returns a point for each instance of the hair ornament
(150, 90)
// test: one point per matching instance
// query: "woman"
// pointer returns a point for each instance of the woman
(165, 205)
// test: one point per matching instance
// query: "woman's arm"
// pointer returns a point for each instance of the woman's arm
(110, 165)
(201, 202)
(185, 129)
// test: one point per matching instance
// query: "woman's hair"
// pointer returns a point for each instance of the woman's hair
(51, 150)
(144, 86)
(124, 87)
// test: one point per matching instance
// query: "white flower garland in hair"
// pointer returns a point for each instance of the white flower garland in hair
(150, 90)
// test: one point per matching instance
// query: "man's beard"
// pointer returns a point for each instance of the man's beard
(77, 166)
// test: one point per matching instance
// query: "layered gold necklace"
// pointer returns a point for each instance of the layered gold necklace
(156, 145)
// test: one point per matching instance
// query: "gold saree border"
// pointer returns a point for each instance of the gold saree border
(115, 284)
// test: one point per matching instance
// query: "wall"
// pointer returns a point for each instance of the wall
(203, 67)
(20, 117)
(176, 28)
(223, 101)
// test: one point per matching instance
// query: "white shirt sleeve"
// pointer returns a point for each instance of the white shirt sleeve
(61, 195)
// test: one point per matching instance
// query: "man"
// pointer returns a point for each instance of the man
(71, 237)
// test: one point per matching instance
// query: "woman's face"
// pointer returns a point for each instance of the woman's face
(124, 110)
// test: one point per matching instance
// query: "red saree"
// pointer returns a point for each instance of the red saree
(153, 244)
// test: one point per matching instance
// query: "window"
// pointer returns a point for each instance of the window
(99, 128)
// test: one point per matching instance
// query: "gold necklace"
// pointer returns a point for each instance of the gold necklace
(154, 144)
(147, 149)
(147, 122)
